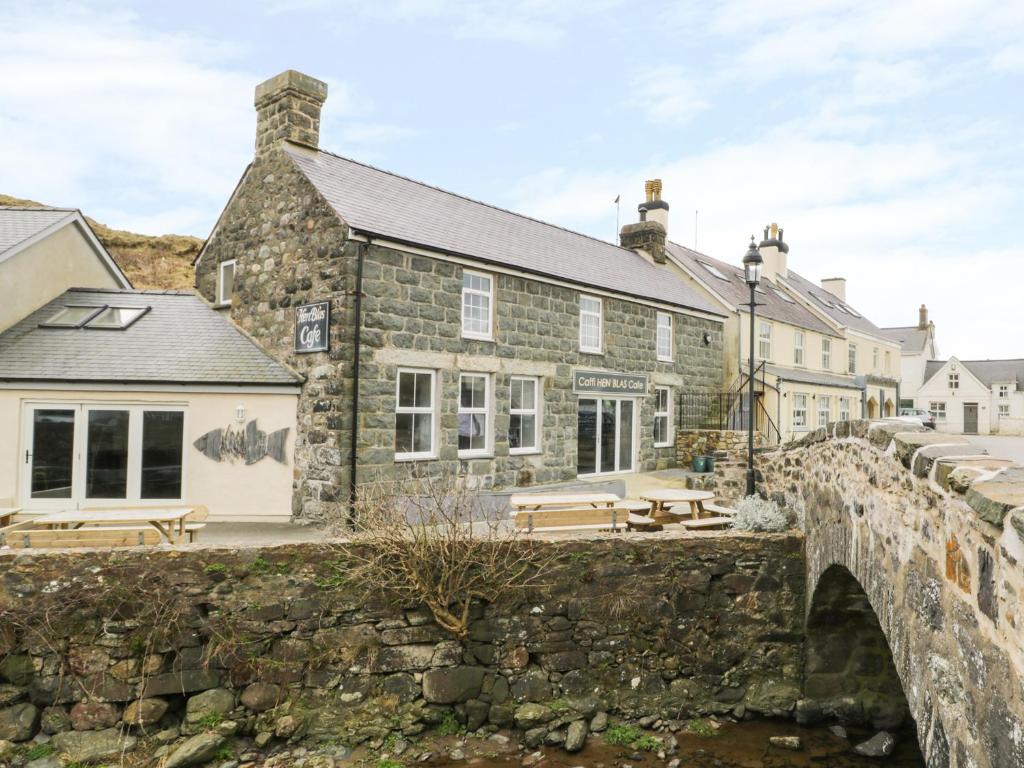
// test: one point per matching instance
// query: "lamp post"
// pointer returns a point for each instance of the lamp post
(752, 262)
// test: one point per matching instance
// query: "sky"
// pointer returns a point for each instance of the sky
(883, 136)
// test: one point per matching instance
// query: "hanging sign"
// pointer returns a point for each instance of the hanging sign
(312, 322)
(604, 383)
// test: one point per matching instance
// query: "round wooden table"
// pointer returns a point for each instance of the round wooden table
(660, 497)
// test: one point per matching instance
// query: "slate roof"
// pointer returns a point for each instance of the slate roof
(378, 202)
(734, 290)
(911, 338)
(988, 372)
(812, 377)
(180, 340)
(20, 224)
(825, 302)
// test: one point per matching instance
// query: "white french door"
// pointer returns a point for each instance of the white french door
(606, 436)
(77, 454)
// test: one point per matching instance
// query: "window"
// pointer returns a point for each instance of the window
(954, 381)
(225, 281)
(474, 414)
(798, 348)
(799, 411)
(888, 361)
(1004, 409)
(116, 318)
(477, 295)
(665, 337)
(162, 440)
(415, 414)
(824, 410)
(590, 324)
(874, 359)
(844, 409)
(783, 295)
(524, 416)
(851, 358)
(72, 317)
(713, 270)
(764, 341)
(938, 410)
(662, 417)
(1004, 390)
(826, 354)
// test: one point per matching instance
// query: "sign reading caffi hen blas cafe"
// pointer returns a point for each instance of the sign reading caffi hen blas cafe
(605, 383)
(312, 322)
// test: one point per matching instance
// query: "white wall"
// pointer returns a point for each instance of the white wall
(231, 490)
(971, 390)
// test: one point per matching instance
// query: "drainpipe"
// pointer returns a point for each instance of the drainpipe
(356, 349)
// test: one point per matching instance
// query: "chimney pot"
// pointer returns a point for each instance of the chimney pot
(288, 109)
(654, 208)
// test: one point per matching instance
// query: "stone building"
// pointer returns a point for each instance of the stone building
(460, 336)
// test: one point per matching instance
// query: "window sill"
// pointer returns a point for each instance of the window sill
(663, 445)
(590, 351)
(666, 359)
(477, 337)
(524, 451)
(476, 455)
(404, 457)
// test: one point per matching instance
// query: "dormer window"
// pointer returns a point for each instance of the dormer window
(225, 282)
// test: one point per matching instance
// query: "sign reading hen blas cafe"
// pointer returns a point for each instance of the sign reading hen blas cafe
(312, 322)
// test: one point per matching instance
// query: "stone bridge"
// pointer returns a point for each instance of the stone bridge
(915, 545)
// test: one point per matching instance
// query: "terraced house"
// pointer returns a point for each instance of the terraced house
(438, 332)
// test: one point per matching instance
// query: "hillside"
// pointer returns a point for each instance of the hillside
(163, 261)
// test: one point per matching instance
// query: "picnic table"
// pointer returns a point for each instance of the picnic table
(535, 501)
(103, 527)
(7, 515)
(662, 498)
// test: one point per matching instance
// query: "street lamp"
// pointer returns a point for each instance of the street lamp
(752, 262)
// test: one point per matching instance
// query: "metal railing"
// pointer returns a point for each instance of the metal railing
(726, 410)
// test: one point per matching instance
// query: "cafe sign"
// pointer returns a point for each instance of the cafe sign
(604, 383)
(312, 322)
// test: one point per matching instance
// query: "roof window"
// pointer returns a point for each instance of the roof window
(713, 270)
(783, 295)
(102, 317)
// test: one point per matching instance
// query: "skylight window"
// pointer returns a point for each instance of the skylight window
(713, 270)
(116, 318)
(783, 295)
(73, 316)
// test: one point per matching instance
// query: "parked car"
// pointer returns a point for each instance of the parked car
(918, 416)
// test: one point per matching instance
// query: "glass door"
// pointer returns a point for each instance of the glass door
(49, 462)
(605, 436)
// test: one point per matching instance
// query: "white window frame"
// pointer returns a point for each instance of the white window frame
(486, 410)
(799, 411)
(1004, 410)
(844, 409)
(1004, 391)
(851, 358)
(221, 300)
(938, 410)
(824, 401)
(764, 341)
(599, 314)
(489, 294)
(670, 356)
(431, 409)
(666, 415)
(536, 412)
(799, 339)
(954, 380)
(826, 354)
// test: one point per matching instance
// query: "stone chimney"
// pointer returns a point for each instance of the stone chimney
(288, 109)
(922, 318)
(836, 286)
(650, 233)
(773, 250)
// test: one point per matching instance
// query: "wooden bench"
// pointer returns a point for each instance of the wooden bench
(720, 510)
(580, 519)
(705, 523)
(107, 536)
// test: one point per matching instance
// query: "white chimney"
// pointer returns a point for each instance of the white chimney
(836, 286)
(654, 208)
(773, 250)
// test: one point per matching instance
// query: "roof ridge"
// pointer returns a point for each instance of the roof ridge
(474, 200)
(134, 291)
(37, 208)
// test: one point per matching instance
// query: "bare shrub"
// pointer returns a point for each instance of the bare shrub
(432, 541)
(756, 514)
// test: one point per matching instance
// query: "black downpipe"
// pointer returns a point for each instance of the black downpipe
(356, 349)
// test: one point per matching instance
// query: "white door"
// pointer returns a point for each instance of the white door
(606, 436)
(50, 465)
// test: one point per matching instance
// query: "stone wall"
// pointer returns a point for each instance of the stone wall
(273, 645)
(291, 248)
(918, 519)
(704, 442)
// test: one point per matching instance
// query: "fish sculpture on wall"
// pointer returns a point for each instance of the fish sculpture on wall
(249, 443)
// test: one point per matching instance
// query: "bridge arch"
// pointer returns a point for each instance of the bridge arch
(933, 576)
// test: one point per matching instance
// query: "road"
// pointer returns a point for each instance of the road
(1001, 446)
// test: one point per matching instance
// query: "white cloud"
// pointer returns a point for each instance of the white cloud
(666, 95)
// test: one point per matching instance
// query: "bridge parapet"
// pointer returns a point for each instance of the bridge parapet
(933, 531)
